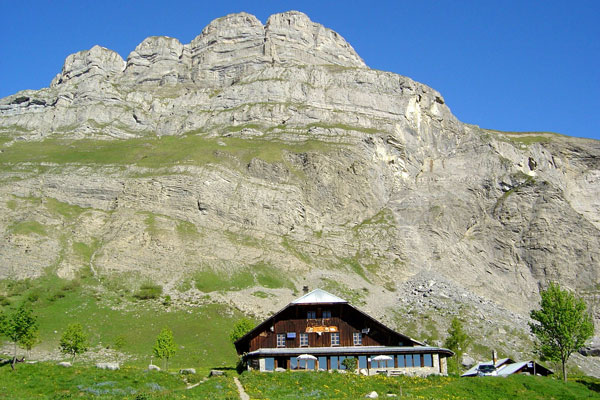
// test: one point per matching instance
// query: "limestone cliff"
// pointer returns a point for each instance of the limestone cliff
(268, 151)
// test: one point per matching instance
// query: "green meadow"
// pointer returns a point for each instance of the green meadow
(151, 151)
(50, 381)
(116, 319)
(324, 385)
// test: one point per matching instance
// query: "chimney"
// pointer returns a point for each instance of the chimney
(494, 357)
(305, 289)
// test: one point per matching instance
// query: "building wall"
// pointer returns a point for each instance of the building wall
(345, 319)
(443, 366)
(439, 363)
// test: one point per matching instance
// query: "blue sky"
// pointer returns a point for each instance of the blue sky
(508, 65)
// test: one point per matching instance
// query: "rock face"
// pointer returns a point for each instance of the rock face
(274, 151)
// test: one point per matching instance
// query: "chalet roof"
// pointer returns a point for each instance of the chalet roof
(511, 368)
(499, 363)
(318, 296)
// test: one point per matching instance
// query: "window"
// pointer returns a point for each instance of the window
(362, 362)
(409, 360)
(357, 338)
(269, 364)
(334, 362)
(401, 362)
(311, 314)
(427, 361)
(304, 340)
(326, 314)
(342, 358)
(322, 363)
(281, 340)
(416, 360)
(335, 339)
(306, 364)
(293, 363)
(390, 362)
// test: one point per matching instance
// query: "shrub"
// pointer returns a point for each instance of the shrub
(350, 363)
(148, 291)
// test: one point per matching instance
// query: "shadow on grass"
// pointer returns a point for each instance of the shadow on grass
(592, 384)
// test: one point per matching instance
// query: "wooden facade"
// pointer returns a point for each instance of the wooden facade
(328, 329)
(344, 321)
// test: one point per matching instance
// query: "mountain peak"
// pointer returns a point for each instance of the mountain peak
(226, 49)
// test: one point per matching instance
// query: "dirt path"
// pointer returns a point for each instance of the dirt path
(243, 394)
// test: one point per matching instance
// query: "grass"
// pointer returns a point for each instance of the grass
(85, 251)
(27, 228)
(262, 274)
(292, 246)
(355, 266)
(186, 229)
(261, 295)
(148, 291)
(354, 297)
(49, 381)
(105, 315)
(151, 152)
(209, 280)
(68, 211)
(324, 385)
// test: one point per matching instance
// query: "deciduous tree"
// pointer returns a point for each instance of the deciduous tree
(241, 327)
(165, 347)
(74, 341)
(21, 328)
(561, 325)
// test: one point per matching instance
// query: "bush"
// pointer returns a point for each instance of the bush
(4, 301)
(148, 291)
(350, 363)
(56, 295)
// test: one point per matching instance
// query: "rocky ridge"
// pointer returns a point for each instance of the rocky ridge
(275, 149)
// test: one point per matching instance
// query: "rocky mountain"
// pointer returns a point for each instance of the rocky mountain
(261, 158)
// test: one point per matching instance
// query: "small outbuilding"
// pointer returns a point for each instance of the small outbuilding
(330, 330)
(505, 367)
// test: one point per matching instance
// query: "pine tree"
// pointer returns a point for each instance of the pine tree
(457, 340)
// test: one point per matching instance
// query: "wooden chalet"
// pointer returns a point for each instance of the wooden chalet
(319, 330)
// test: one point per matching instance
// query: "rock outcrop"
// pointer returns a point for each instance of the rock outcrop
(272, 149)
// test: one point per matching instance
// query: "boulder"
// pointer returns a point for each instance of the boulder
(187, 371)
(216, 372)
(65, 364)
(467, 361)
(113, 366)
(153, 367)
(590, 351)
(372, 395)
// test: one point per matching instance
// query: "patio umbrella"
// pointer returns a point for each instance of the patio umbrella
(381, 358)
(306, 357)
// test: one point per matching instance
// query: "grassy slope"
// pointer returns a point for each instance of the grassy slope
(48, 381)
(150, 152)
(322, 385)
(201, 332)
